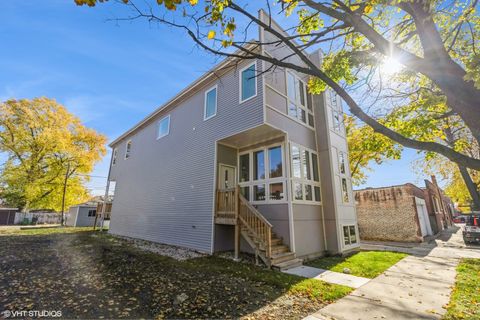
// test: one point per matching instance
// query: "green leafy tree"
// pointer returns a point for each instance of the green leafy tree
(47, 150)
(365, 146)
(434, 44)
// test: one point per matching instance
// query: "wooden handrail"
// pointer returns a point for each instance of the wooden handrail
(256, 223)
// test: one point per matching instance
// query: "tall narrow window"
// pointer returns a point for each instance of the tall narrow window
(245, 167)
(128, 149)
(291, 86)
(306, 165)
(114, 156)
(248, 83)
(210, 103)
(163, 127)
(345, 195)
(300, 102)
(337, 120)
(259, 165)
(275, 162)
(296, 163)
(341, 162)
(315, 167)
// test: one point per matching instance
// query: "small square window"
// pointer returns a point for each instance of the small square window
(297, 191)
(210, 103)
(248, 83)
(308, 192)
(245, 192)
(259, 192)
(163, 127)
(276, 191)
(292, 110)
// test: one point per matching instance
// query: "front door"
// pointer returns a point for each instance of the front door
(226, 177)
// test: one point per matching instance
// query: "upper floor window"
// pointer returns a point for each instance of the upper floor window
(128, 149)
(344, 182)
(305, 175)
(210, 109)
(337, 120)
(163, 127)
(114, 156)
(333, 99)
(248, 83)
(300, 104)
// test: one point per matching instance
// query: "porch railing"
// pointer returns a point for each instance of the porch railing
(251, 219)
(226, 210)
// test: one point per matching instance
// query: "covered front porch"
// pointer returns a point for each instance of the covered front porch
(251, 207)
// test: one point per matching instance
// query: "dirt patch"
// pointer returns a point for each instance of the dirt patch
(87, 275)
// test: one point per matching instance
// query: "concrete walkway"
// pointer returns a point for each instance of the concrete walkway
(328, 276)
(417, 287)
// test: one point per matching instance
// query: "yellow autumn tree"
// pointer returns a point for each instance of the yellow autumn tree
(47, 149)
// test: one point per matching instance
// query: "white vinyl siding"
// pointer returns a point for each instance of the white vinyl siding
(163, 127)
(210, 108)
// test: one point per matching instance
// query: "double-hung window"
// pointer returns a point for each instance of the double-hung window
(210, 108)
(248, 83)
(337, 112)
(128, 149)
(300, 102)
(349, 235)
(114, 157)
(163, 127)
(305, 175)
(261, 173)
(344, 181)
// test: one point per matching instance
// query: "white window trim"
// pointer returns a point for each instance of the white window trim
(215, 87)
(127, 152)
(114, 156)
(297, 103)
(158, 127)
(267, 181)
(350, 245)
(303, 180)
(240, 81)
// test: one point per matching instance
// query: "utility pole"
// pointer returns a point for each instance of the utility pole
(65, 191)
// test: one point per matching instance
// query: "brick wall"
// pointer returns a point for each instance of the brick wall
(388, 214)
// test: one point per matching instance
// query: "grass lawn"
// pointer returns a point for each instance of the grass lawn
(95, 275)
(39, 230)
(367, 264)
(465, 299)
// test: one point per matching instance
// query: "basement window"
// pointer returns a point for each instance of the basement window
(349, 235)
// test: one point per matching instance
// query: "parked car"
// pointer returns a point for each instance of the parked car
(471, 231)
(459, 219)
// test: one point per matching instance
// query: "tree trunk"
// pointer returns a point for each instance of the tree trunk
(472, 187)
(64, 192)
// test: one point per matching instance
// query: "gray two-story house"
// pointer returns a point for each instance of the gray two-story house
(240, 159)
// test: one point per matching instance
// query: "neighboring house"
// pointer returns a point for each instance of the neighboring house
(7, 215)
(240, 153)
(439, 206)
(82, 215)
(402, 213)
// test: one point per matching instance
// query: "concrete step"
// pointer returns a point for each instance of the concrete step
(288, 264)
(281, 257)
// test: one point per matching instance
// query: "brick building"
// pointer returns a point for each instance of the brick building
(404, 213)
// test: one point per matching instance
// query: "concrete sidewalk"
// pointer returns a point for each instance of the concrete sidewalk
(328, 276)
(417, 287)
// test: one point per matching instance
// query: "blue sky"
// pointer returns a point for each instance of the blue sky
(109, 74)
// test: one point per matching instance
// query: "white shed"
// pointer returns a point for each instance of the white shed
(82, 215)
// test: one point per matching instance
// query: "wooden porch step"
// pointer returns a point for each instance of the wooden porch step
(288, 264)
(279, 248)
(276, 241)
(282, 257)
